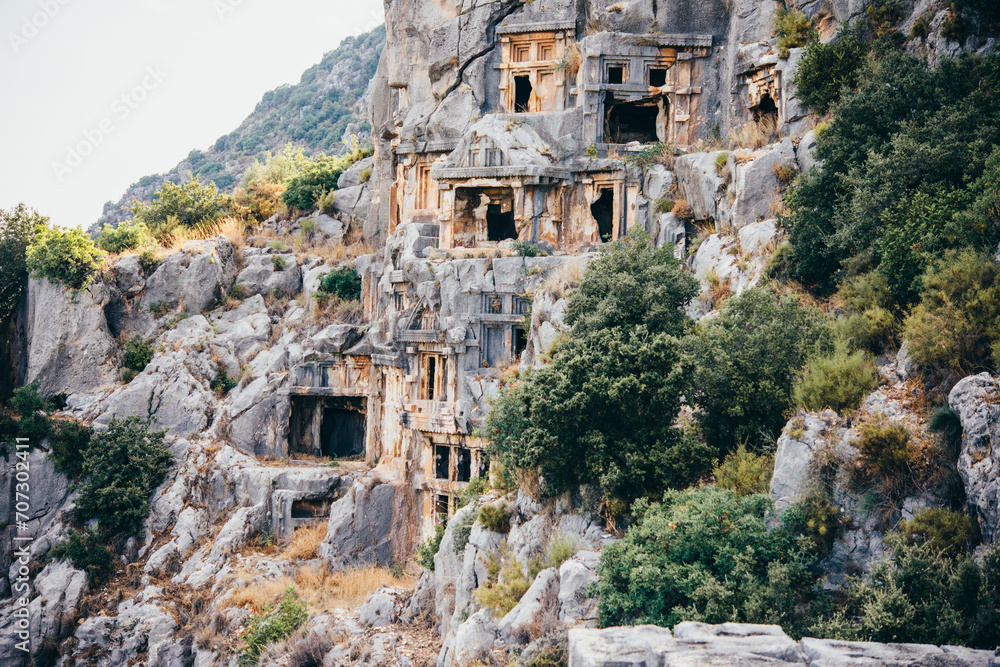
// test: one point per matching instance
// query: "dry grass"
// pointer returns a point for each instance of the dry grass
(322, 589)
(566, 278)
(683, 210)
(777, 205)
(335, 311)
(232, 228)
(719, 289)
(754, 134)
(305, 542)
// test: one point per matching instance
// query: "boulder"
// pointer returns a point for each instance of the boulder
(194, 279)
(700, 184)
(806, 152)
(357, 174)
(575, 578)
(383, 607)
(361, 527)
(269, 274)
(59, 586)
(70, 348)
(617, 647)
(473, 641)
(755, 186)
(974, 400)
(539, 603)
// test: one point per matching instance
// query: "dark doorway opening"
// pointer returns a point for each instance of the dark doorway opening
(500, 225)
(343, 429)
(616, 74)
(657, 76)
(631, 121)
(442, 461)
(463, 465)
(766, 110)
(520, 341)
(603, 211)
(311, 509)
(522, 94)
(441, 505)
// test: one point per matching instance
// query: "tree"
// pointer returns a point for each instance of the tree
(17, 229)
(122, 466)
(603, 412)
(68, 256)
(705, 554)
(188, 205)
(746, 361)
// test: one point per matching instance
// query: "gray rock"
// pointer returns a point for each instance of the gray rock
(262, 275)
(832, 653)
(383, 607)
(974, 400)
(806, 152)
(473, 641)
(755, 184)
(360, 530)
(539, 602)
(355, 174)
(617, 647)
(59, 586)
(701, 185)
(575, 578)
(194, 279)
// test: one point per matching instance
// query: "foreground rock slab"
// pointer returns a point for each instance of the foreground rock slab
(747, 645)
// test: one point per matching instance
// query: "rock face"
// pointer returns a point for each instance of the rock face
(974, 401)
(750, 646)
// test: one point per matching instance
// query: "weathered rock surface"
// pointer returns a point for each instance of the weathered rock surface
(974, 400)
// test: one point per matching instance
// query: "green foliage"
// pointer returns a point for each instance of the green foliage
(129, 235)
(32, 412)
(462, 531)
(526, 249)
(278, 262)
(817, 519)
(744, 472)
(238, 291)
(188, 205)
(503, 595)
(663, 205)
(793, 29)
(632, 284)
(138, 354)
(64, 255)
(957, 322)
(705, 554)
(343, 283)
(476, 487)
(495, 517)
(87, 550)
(946, 531)
(122, 466)
(911, 169)
(17, 230)
(840, 381)
(923, 596)
(274, 623)
(872, 322)
(159, 308)
(746, 362)
(826, 70)
(148, 261)
(318, 176)
(720, 161)
(222, 383)
(884, 15)
(651, 154)
(67, 445)
(886, 459)
(429, 548)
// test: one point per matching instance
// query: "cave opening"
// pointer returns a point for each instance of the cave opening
(766, 109)
(522, 94)
(631, 121)
(603, 211)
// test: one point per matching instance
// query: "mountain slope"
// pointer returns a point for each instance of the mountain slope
(316, 114)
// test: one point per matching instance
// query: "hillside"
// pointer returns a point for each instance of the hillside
(316, 114)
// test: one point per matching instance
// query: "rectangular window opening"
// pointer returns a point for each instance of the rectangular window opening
(522, 94)
(657, 76)
(520, 342)
(463, 464)
(616, 74)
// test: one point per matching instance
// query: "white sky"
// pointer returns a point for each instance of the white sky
(190, 71)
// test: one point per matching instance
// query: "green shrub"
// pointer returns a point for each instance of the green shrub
(957, 322)
(744, 472)
(476, 487)
(793, 29)
(67, 446)
(278, 262)
(188, 205)
(720, 162)
(122, 466)
(825, 70)
(429, 548)
(87, 550)
(884, 15)
(318, 176)
(32, 411)
(946, 531)
(17, 230)
(526, 249)
(559, 549)
(746, 363)
(274, 623)
(817, 519)
(64, 255)
(343, 283)
(510, 587)
(148, 261)
(138, 354)
(839, 381)
(923, 596)
(462, 531)
(159, 308)
(886, 459)
(222, 384)
(238, 291)
(705, 554)
(663, 205)
(495, 518)
(129, 235)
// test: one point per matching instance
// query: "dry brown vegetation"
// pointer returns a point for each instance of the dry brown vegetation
(754, 134)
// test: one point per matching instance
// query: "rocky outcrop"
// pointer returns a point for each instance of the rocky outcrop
(974, 400)
(749, 645)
